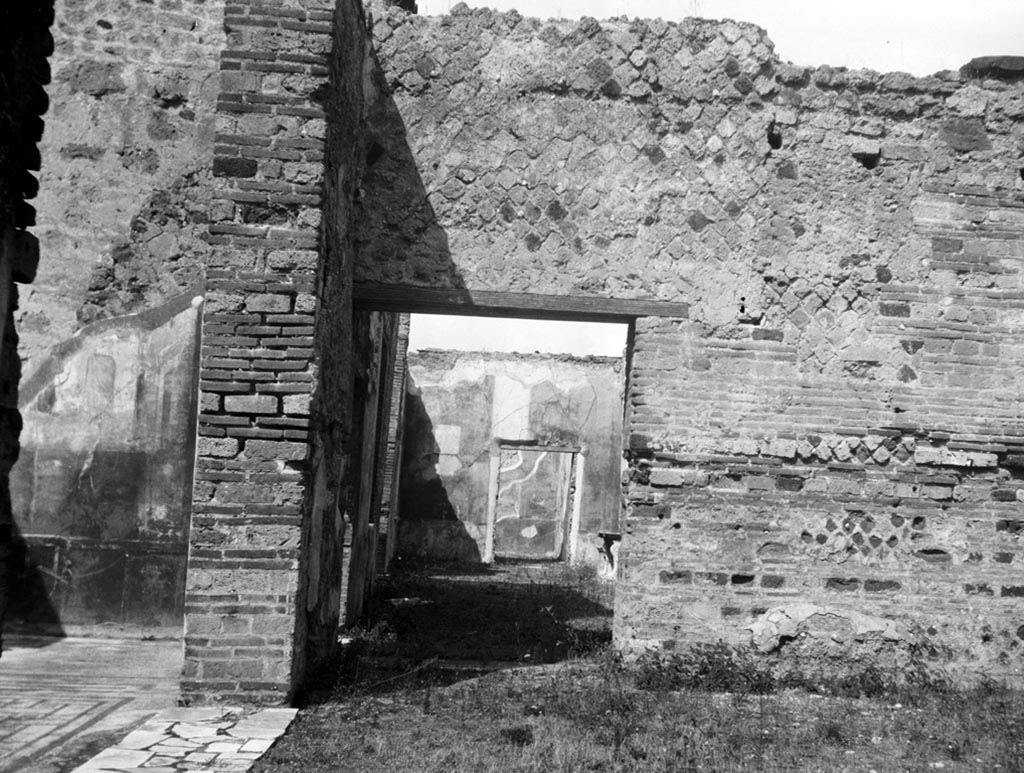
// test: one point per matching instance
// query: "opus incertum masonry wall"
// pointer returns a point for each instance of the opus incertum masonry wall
(826, 455)
(825, 451)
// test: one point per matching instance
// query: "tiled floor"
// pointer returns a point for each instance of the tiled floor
(56, 694)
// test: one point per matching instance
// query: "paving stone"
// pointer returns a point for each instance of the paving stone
(222, 746)
(200, 757)
(257, 745)
(172, 742)
(205, 713)
(141, 739)
(191, 731)
(74, 686)
(115, 759)
(156, 726)
(266, 723)
(161, 761)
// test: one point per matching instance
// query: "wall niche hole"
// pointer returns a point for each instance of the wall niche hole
(868, 160)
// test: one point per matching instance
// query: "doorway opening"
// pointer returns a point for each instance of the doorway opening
(511, 440)
(505, 437)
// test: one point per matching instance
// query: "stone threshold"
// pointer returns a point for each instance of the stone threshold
(222, 738)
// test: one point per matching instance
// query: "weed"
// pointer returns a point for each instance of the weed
(742, 670)
(521, 735)
(711, 667)
(832, 733)
(605, 704)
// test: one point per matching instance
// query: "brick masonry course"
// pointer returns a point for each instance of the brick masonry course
(245, 593)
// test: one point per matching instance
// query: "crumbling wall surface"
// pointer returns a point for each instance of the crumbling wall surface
(101, 488)
(125, 161)
(25, 45)
(459, 403)
(838, 422)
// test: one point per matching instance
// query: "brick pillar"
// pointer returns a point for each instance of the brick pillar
(244, 635)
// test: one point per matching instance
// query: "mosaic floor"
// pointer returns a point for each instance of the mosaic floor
(64, 700)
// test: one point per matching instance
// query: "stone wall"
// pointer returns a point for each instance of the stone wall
(829, 444)
(125, 160)
(120, 217)
(835, 430)
(459, 404)
(187, 150)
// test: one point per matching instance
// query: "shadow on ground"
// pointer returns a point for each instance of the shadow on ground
(439, 623)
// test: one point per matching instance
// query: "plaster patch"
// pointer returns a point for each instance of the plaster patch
(779, 623)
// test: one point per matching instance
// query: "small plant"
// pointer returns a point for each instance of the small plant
(712, 667)
(744, 671)
(521, 735)
(831, 733)
(377, 639)
(605, 703)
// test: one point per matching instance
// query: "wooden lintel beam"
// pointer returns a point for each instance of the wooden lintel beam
(487, 303)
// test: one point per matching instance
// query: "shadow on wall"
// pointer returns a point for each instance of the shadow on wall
(396, 234)
(376, 214)
(397, 239)
(428, 523)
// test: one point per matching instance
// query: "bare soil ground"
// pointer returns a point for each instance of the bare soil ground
(515, 612)
(508, 670)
